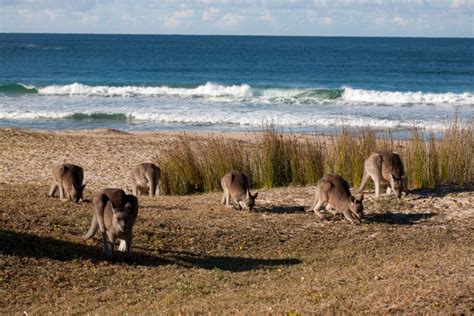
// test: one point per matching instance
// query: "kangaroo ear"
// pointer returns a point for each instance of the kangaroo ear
(83, 186)
(248, 194)
(361, 197)
(255, 195)
(353, 199)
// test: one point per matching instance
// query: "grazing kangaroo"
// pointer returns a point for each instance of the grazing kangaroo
(68, 179)
(145, 179)
(115, 213)
(385, 167)
(236, 186)
(335, 191)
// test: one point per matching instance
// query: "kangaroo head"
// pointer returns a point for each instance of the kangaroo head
(121, 218)
(77, 193)
(249, 202)
(398, 185)
(356, 206)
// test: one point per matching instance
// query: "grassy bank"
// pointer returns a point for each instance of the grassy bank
(275, 159)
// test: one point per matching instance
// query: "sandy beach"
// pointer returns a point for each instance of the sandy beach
(191, 254)
(106, 155)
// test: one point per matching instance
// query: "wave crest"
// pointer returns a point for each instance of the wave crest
(17, 88)
(246, 93)
(209, 89)
(388, 97)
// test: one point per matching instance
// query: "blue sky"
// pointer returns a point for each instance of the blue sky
(436, 18)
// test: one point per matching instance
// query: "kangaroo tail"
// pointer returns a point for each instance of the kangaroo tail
(363, 182)
(152, 183)
(92, 229)
(316, 199)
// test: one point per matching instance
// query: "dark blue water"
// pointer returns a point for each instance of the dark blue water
(203, 80)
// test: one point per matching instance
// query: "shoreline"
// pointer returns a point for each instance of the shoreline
(400, 134)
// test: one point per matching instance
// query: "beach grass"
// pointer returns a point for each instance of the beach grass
(277, 159)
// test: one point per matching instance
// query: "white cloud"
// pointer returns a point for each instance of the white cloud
(230, 19)
(210, 14)
(399, 21)
(267, 17)
(327, 20)
(177, 18)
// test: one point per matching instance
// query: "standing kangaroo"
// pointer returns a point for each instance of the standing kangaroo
(115, 213)
(145, 179)
(385, 167)
(236, 186)
(68, 179)
(335, 191)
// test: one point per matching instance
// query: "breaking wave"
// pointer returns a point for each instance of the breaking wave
(246, 93)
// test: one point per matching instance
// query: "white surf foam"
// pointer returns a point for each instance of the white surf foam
(388, 97)
(251, 119)
(246, 93)
(209, 89)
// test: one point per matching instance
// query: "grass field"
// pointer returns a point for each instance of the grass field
(192, 255)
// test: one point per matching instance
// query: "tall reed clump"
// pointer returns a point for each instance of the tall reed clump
(217, 156)
(310, 162)
(284, 159)
(456, 154)
(276, 159)
(348, 151)
(180, 172)
(420, 160)
(197, 165)
(430, 162)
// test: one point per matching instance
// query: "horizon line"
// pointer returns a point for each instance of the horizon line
(240, 35)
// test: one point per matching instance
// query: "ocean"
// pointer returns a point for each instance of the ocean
(161, 82)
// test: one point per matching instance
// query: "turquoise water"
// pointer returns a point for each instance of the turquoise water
(133, 82)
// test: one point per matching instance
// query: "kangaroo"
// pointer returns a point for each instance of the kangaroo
(335, 191)
(145, 179)
(385, 167)
(236, 186)
(115, 213)
(68, 179)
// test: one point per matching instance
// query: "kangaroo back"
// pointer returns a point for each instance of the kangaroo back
(236, 186)
(335, 192)
(68, 178)
(145, 178)
(391, 164)
(115, 213)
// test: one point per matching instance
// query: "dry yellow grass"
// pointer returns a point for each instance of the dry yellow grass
(190, 254)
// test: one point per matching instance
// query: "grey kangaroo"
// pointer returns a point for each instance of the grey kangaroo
(145, 179)
(236, 187)
(115, 213)
(68, 179)
(385, 167)
(335, 192)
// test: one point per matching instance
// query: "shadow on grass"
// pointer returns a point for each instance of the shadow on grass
(443, 190)
(280, 209)
(32, 246)
(398, 218)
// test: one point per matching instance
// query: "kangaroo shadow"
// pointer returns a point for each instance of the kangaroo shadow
(443, 190)
(32, 246)
(280, 209)
(398, 218)
(227, 263)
